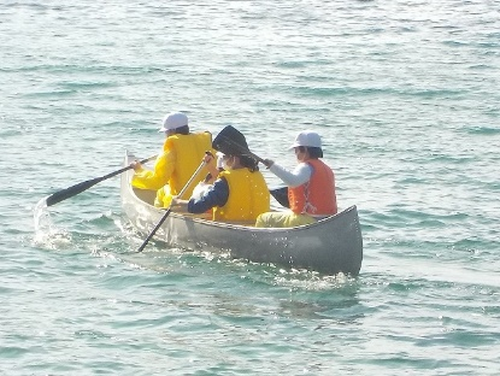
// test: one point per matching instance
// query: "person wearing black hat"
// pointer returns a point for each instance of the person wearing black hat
(239, 194)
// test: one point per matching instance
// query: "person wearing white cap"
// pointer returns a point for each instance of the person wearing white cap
(311, 185)
(181, 155)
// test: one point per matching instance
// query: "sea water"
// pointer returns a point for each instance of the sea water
(405, 95)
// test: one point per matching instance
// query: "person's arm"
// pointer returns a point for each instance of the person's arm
(163, 169)
(300, 175)
(211, 165)
(217, 195)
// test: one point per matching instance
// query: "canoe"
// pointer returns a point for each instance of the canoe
(330, 246)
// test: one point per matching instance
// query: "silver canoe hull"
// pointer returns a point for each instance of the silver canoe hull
(329, 246)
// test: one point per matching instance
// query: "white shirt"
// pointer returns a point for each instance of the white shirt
(300, 175)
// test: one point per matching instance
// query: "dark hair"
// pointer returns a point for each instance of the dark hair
(182, 130)
(249, 163)
(314, 152)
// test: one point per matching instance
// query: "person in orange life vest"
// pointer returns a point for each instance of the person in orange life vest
(174, 166)
(311, 186)
(239, 194)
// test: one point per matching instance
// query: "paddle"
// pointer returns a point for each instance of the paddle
(281, 195)
(169, 210)
(84, 185)
(232, 141)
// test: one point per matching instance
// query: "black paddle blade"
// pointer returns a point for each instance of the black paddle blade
(281, 195)
(231, 141)
(71, 191)
(84, 185)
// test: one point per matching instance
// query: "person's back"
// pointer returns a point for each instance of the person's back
(311, 186)
(249, 196)
(317, 196)
(186, 151)
(238, 195)
(182, 152)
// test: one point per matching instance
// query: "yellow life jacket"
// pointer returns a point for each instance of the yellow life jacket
(188, 152)
(248, 196)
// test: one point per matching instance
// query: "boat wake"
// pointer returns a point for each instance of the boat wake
(311, 281)
(46, 235)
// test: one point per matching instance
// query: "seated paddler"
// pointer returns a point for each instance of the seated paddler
(238, 194)
(180, 157)
(311, 185)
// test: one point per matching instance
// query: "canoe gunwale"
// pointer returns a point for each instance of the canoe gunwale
(330, 245)
(240, 227)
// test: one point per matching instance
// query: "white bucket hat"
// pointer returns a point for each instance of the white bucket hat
(173, 120)
(307, 138)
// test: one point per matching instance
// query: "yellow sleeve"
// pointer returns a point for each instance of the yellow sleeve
(159, 176)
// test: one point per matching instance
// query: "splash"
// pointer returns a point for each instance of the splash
(39, 213)
(46, 235)
(313, 281)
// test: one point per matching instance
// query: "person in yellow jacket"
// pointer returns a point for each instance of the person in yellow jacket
(174, 166)
(238, 195)
(311, 186)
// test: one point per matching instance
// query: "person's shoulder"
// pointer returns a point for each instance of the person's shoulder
(220, 184)
(201, 134)
(305, 165)
(206, 133)
(321, 161)
(260, 176)
(305, 168)
(169, 142)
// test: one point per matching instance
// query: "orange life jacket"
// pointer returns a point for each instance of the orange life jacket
(317, 196)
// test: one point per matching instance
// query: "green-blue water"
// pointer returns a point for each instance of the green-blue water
(406, 97)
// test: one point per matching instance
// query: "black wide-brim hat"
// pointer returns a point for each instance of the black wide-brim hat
(231, 141)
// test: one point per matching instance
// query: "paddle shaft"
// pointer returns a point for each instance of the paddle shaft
(169, 210)
(233, 140)
(83, 186)
(255, 156)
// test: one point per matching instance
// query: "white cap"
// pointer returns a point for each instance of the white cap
(174, 120)
(307, 138)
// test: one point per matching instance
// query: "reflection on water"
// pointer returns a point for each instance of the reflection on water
(263, 289)
(331, 298)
